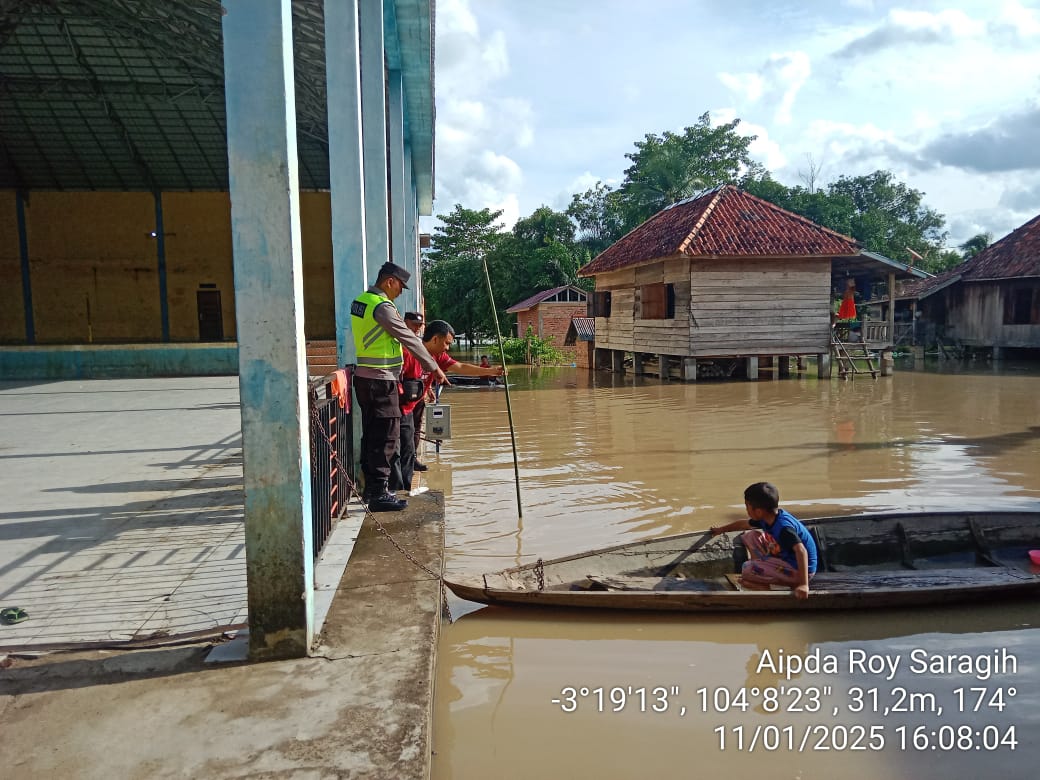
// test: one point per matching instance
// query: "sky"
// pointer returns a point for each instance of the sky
(540, 99)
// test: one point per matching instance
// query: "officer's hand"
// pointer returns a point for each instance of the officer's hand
(441, 377)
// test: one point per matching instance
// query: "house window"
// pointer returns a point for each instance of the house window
(1019, 309)
(601, 305)
(658, 301)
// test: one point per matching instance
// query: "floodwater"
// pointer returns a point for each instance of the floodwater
(606, 459)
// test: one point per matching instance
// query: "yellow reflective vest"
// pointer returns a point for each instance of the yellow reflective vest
(374, 346)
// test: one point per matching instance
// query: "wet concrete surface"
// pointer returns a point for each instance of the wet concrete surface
(359, 708)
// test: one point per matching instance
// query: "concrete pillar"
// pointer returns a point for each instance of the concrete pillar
(752, 367)
(888, 363)
(637, 363)
(400, 195)
(160, 256)
(801, 363)
(23, 253)
(689, 369)
(823, 365)
(783, 363)
(663, 373)
(411, 229)
(346, 168)
(998, 354)
(266, 240)
(373, 123)
(617, 361)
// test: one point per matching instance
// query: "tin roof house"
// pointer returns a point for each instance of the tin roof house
(549, 313)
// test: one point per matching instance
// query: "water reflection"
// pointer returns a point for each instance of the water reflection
(607, 459)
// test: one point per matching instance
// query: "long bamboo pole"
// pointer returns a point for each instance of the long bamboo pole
(505, 379)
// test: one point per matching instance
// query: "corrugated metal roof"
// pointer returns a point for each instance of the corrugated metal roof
(725, 222)
(129, 94)
(581, 329)
(537, 298)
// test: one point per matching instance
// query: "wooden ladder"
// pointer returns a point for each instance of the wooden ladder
(845, 354)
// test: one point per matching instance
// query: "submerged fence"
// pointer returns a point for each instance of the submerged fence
(332, 454)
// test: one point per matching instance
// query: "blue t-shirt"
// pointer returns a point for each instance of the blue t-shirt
(788, 531)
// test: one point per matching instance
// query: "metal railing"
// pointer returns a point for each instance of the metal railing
(332, 444)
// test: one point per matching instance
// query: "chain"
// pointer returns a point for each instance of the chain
(539, 572)
(352, 488)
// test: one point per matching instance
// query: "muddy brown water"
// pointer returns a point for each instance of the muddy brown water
(945, 693)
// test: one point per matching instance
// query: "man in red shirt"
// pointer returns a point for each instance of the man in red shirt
(415, 322)
(437, 338)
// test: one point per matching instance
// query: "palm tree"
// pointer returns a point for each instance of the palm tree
(976, 244)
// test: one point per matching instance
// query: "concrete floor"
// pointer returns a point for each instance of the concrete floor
(122, 510)
(122, 520)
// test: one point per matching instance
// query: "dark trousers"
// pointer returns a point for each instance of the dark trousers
(380, 430)
(417, 417)
(405, 464)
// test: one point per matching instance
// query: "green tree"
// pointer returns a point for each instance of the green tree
(670, 167)
(976, 244)
(540, 253)
(453, 272)
(598, 215)
(889, 217)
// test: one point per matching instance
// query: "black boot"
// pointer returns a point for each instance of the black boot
(379, 499)
(387, 502)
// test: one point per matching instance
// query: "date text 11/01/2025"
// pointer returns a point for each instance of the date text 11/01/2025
(837, 737)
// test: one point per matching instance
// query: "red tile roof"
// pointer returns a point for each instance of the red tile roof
(725, 222)
(1016, 254)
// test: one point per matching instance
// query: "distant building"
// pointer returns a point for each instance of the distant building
(725, 277)
(549, 313)
(990, 301)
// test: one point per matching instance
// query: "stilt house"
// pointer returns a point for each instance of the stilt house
(990, 301)
(723, 278)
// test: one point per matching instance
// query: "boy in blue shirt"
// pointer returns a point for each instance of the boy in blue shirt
(781, 549)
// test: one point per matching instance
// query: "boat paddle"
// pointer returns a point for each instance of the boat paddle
(667, 569)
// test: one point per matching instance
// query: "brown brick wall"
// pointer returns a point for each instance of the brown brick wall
(553, 319)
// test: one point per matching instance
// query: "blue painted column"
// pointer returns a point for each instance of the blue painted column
(160, 250)
(346, 166)
(23, 252)
(411, 224)
(266, 238)
(373, 123)
(399, 196)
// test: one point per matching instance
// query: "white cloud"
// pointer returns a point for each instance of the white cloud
(763, 148)
(477, 127)
(776, 83)
(533, 108)
(466, 61)
(1016, 22)
(839, 144)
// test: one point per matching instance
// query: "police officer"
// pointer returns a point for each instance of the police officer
(379, 332)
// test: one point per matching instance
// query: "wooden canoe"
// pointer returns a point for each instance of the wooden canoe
(878, 560)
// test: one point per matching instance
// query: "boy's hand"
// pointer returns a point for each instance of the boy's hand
(801, 592)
